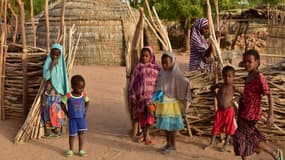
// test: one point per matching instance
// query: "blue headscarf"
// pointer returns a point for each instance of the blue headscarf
(58, 76)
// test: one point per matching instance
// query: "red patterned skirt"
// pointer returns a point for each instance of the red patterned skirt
(246, 138)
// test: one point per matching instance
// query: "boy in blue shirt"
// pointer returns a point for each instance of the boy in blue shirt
(75, 105)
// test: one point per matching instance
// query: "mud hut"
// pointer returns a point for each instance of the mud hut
(106, 27)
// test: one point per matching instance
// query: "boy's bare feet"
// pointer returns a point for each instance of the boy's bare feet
(224, 149)
(209, 146)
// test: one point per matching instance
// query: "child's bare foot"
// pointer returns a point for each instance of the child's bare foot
(140, 140)
(209, 146)
(148, 142)
(224, 148)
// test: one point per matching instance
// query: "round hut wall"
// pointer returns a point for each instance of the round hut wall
(102, 24)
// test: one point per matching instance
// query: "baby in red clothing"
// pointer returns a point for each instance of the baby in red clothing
(225, 114)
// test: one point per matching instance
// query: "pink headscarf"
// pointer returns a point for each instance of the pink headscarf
(143, 81)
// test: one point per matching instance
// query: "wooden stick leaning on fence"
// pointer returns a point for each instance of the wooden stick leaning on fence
(47, 26)
(158, 29)
(24, 55)
(16, 22)
(162, 30)
(33, 23)
(3, 49)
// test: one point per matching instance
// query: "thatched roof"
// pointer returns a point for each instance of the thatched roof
(102, 23)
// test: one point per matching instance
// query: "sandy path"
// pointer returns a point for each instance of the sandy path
(108, 123)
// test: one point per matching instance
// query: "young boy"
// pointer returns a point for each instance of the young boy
(224, 118)
(77, 103)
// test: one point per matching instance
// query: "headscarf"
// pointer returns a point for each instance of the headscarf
(198, 44)
(58, 75)
(143, 81)
(172, 82)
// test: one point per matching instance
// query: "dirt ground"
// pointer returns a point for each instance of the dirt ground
(108, 123)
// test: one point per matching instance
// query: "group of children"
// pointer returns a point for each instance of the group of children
(164, 93)
(169, 93)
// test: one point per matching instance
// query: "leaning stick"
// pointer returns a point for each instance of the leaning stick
(16, 22)
(155, 33)
(47, 26)
(164, 32)
(24, 56)
(2, 58)
(33, 23)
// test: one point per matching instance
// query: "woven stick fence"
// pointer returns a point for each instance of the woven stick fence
(13, 92)
(201, 112)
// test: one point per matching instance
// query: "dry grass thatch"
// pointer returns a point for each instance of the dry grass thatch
(102, 24)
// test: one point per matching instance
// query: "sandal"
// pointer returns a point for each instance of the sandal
(82, 153)
(148, 142)
(164, 148)
(169, 150)
(69, 153)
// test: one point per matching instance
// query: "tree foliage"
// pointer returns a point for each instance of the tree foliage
(38, 6)
(188, 9)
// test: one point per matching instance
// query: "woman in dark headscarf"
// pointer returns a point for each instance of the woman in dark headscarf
(199, 49)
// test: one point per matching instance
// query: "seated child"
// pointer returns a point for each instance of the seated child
(77, 103)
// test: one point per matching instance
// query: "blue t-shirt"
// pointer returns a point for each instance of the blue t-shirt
(75, 105)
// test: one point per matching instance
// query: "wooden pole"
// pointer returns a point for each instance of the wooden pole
(164, 32)
(2, 8)
(47, 27)
(33, 23)
(62, 17)
(24, 56)
(3, 49)
(16, 22)
(216, 3)
(62, 25)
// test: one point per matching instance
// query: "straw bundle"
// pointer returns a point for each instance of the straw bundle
(201, 112)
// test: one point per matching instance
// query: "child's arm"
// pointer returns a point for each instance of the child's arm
(270, 119)
(87, 101)
(238, 90)
(63, 106)
(213, 89)
(86, 107)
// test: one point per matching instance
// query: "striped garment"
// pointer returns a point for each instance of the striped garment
(142, 83)
(198, 44)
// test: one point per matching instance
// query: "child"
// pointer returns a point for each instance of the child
(224, 117)
(172, 96)
(54, 73)
(247, 138)
(207, 61)
(141, 89)
(77, 103)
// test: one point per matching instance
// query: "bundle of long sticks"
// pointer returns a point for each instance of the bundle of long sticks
(201, 113)
(157, 27)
